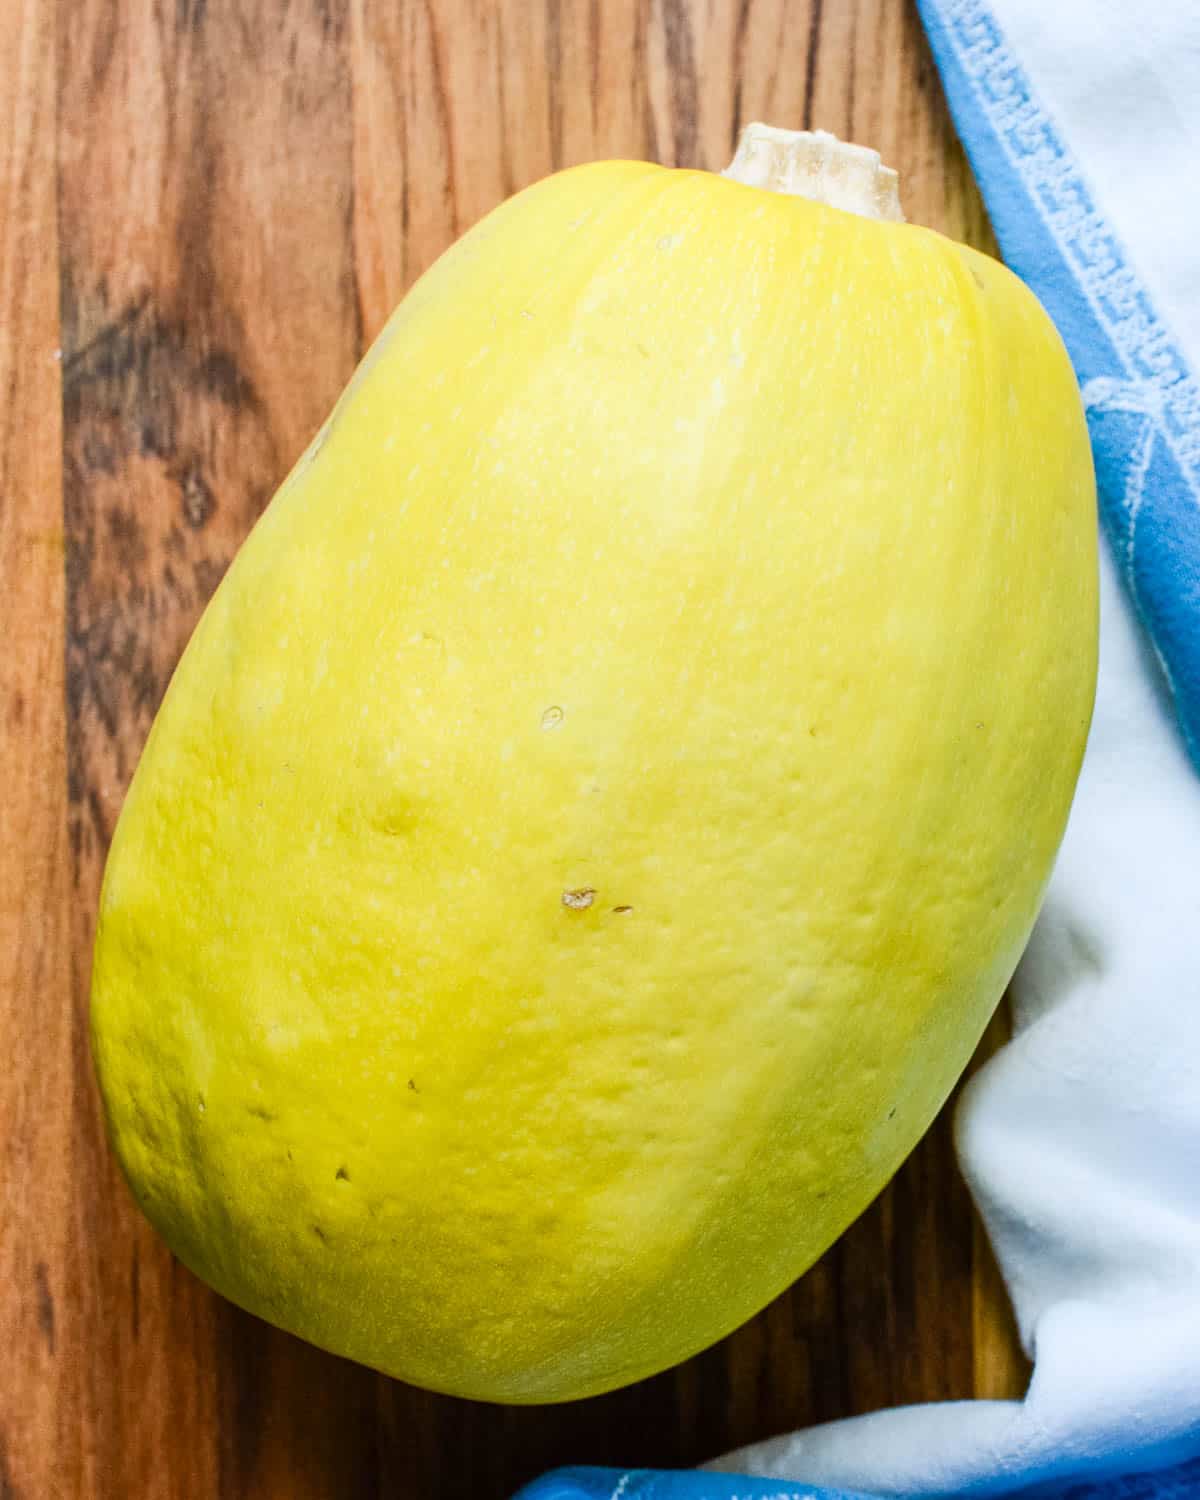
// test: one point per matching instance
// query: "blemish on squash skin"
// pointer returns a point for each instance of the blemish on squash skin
(622, 911)
(341, 1175)
(579, 900)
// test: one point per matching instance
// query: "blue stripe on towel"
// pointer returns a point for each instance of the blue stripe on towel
(1142, 398)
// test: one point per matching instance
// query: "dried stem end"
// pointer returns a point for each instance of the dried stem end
(814, 164)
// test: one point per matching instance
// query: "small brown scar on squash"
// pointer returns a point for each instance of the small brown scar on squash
(579, 900)
(622, 911)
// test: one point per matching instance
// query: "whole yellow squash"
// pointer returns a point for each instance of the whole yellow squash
(600, 809)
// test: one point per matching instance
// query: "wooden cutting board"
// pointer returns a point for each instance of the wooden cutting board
(207, 209)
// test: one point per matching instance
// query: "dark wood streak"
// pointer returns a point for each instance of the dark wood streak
(45, 1303)
(135, 1294)
(141, 407)
(810, 61)
(505, 102)
(8, 1488)
(189, 14)
(593, 34)
(442, 105)
(351, 290)
(649, 142)
(739, 51)
(248, 1391)
(681, 61)
(553, 58)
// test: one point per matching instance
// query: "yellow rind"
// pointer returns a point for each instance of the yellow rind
(791, 514)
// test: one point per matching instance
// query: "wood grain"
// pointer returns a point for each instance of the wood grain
(39, 1341)
(212, 205)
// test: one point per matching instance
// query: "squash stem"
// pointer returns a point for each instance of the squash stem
(814, 164)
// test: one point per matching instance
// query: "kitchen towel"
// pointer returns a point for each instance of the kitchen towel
(1081, 1138)
(1181, 1483)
